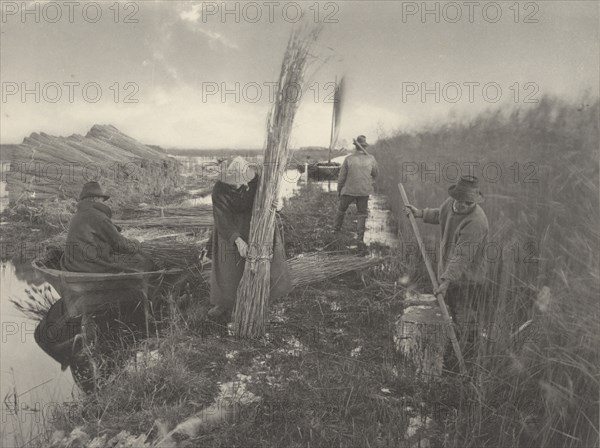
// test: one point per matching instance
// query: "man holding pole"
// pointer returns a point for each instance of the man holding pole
(355, 184)
(464, 230)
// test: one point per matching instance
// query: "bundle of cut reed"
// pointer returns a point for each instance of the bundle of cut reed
(179, 252)
(318, 266)
(254, 289)
(202, 219)
(130, 213)
(168, 250)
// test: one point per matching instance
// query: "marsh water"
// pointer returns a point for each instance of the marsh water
(32, 384)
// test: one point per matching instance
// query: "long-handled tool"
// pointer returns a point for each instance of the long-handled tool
(434, 282)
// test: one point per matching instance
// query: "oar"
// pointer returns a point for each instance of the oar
(434, 282)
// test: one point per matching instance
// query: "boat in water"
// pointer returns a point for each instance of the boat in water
(330, 169)
(324, 171)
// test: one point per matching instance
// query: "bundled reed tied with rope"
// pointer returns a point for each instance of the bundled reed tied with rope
(174, 252)
(254, 288)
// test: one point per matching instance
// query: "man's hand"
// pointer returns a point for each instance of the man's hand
(408, 209)
(242, 247)
(442, 288)
(278, 205)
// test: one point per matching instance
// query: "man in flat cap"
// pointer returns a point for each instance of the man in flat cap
(355, 185)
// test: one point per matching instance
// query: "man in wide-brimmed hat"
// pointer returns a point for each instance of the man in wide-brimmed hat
(464, 231)
(355, 185)
(94, 242)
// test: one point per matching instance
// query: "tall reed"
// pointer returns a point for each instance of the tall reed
(539, 168)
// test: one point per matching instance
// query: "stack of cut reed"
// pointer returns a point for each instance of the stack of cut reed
(131, 213)
(318, 266)
(176, 252)
(167, 250)
(201, 219)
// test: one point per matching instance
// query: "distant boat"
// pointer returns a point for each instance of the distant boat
(324, 171)
(329, 170)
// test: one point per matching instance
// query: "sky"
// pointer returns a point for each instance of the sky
(199, 74)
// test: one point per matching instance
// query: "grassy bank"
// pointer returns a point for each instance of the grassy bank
(539, 172)
(327, 373)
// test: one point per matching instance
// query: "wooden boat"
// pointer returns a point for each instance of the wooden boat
(324, 171)
(329, 170)
(87, 292)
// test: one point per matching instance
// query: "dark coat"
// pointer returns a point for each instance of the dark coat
(94, 243)
(232, 211)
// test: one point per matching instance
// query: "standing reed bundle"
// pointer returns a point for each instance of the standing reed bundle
(254, 288)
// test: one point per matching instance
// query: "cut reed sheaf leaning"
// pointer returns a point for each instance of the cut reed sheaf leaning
(254, 288)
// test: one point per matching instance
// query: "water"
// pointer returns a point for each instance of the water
(31, 383)
(3, 192)
(378, 228)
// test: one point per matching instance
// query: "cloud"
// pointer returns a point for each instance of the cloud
(216, 37)
(192, 16)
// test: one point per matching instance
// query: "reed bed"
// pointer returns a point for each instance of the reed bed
(253, 290)
(543, 211)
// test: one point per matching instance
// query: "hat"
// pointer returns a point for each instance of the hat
(362, 140)
(239, 172)
(466, 189)
(92, 189)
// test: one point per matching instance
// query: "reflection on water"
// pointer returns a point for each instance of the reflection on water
(31, 383)
(378, 226)
(3, 192)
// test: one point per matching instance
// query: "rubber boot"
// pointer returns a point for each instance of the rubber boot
(339, 221)
(360, 227)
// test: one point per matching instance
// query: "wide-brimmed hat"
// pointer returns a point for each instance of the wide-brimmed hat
(239, 172)
(362, 140)
(92, 189)
(466, 189)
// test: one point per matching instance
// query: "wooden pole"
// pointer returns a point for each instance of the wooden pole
(434, 282)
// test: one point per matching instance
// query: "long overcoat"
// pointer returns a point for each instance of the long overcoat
(232, 211)
(94, 243)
